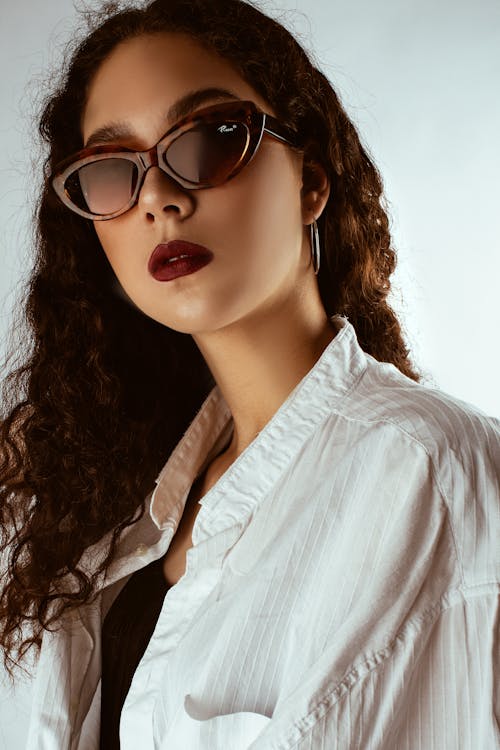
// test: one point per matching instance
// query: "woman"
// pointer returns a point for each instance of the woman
(314, 566)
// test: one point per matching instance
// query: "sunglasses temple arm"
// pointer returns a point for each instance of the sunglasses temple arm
(277, 135)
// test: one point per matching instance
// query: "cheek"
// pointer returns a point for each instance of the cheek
(263, 234)
(264, 206)
(104, 235)
(116, 245)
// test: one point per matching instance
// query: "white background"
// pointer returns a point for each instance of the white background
(421, 79)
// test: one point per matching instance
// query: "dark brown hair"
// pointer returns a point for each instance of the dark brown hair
(104, 393)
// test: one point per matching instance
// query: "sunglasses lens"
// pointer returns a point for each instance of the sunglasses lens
(208, 153)
(102, 187)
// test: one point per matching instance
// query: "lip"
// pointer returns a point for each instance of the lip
(162, 270)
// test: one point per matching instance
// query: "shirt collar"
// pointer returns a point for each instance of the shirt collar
(242, 486)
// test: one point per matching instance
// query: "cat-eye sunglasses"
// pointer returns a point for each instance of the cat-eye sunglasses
(202, 150)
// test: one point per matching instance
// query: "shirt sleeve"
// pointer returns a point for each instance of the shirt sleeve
(433, 688)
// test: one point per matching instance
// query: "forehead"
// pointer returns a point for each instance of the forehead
(142, 77)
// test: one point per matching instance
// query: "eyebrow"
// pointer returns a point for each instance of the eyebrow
(113, 131)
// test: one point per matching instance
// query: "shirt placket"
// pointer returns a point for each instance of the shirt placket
(182, 602)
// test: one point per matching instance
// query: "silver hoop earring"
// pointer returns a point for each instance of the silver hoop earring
(315, 248)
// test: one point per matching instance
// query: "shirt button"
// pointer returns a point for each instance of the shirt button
(141, 549)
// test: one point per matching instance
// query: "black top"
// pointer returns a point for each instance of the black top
(126, 631)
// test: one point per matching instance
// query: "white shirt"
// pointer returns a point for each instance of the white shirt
(342, 591)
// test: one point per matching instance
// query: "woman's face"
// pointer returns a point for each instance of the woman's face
(253, 224)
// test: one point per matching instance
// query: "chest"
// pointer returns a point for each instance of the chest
(174, 561)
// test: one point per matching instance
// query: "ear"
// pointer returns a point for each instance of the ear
(315, 189)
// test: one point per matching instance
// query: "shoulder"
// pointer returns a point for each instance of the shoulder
(438, 421)
(441, 439)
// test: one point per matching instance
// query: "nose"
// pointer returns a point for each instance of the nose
(160, 193)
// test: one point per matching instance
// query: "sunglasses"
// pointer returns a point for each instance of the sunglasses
(202, 150)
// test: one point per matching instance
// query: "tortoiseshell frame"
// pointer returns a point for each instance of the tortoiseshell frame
(256, 121)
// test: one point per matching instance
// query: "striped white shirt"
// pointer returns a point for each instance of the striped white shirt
(342, 592)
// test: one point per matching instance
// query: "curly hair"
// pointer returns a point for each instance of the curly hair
(105, 392)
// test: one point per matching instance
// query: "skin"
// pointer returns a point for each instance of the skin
(255, 310)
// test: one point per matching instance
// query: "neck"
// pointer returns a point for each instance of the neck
(258, 360)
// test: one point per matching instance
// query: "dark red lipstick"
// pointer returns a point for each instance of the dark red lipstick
(177, 258)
